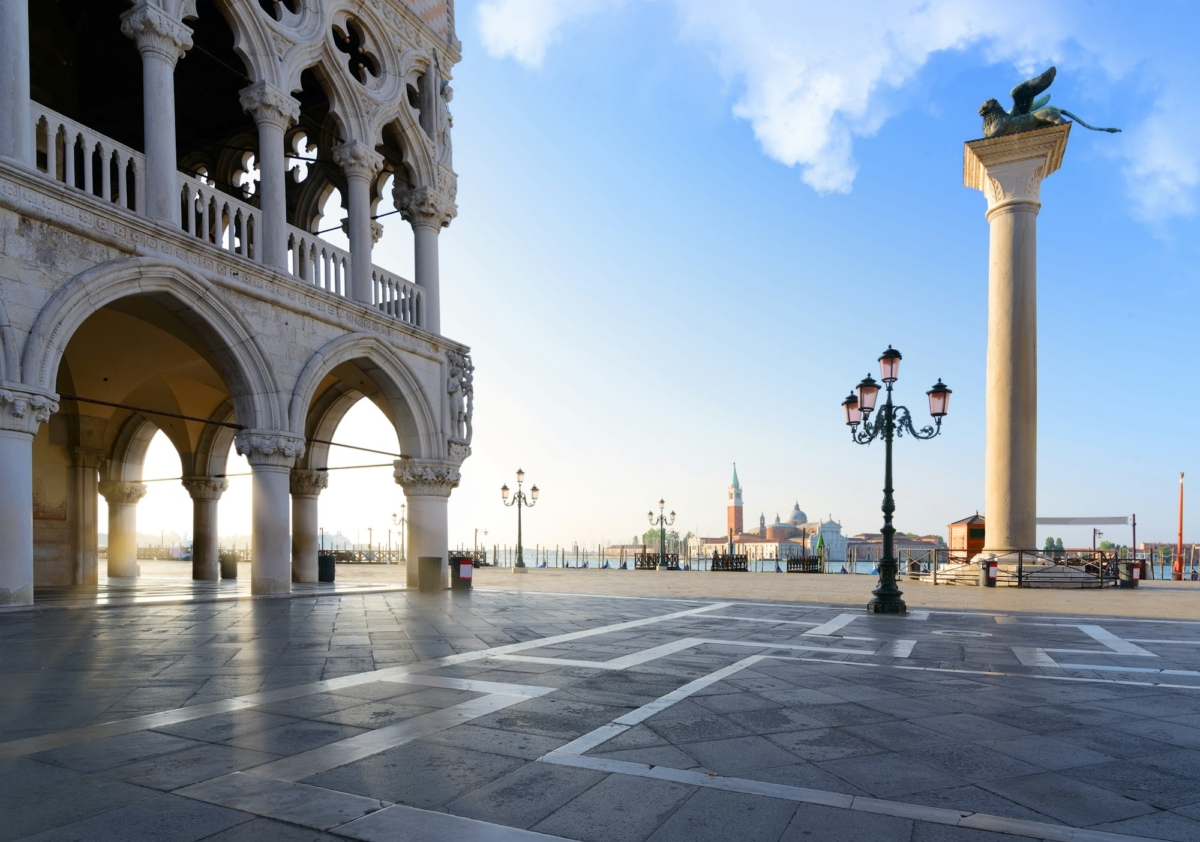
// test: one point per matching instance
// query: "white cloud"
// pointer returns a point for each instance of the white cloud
(814, 75)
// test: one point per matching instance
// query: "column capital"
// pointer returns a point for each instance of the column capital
(271, 105)
(308, 483)
(358, 160)
(120, 493)
(426, 478)
(1009, 169)
(424, 207)
(22, 410)
(86, 457)
(206, 488)
(156, 33)
(269, 448)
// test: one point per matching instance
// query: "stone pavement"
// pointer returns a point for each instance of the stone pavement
(523, 716)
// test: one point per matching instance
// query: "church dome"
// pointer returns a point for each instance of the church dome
(797, 517)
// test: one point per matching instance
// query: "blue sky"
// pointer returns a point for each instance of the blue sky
(688, 228)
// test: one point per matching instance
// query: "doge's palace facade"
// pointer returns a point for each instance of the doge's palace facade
(164, 165)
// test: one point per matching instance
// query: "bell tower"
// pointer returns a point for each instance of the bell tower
(735, 523)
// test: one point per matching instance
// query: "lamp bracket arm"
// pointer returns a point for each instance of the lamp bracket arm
(904, 422)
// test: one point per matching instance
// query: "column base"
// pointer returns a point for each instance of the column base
(263, 586)
(519, 569)
(20, 596)
(876, 606)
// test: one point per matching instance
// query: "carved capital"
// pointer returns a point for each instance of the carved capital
(459, 451)
(156, 33)
(1009, 169)
(269, 448)
(308, 483)
(23, 410)
(421, 478)
(358, 160)
(424, 207)
(268, 104)
(85, 457)
(206, 488)
(119, 493)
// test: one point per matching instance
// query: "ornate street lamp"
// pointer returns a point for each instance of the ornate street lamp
(401, 520)
(892, 421)
(519, 499)
(663, 523)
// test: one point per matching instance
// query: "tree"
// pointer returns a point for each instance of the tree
(1049, 544)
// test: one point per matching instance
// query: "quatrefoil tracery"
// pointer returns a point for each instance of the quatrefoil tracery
(352, 42)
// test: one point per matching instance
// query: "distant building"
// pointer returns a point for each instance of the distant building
(868, 546)
(967, 536)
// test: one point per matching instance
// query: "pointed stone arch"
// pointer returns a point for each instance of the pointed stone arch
(416, 428)
(230, 341)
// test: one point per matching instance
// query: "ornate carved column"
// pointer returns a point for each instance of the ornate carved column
(361, 164)
(274, 112)
(122, 498)
(428, 212)
(271, 454)
(206, 493)
(162, 40)
(1009, 170)
(83, 512)
(427, 486)
(16, 133)
(306, 488)
(21, 413)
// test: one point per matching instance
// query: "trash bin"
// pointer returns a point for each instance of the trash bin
(429, 573)
(326, 567)
(1129, 574)
(988, 569)
(229, 564)
(460, 573)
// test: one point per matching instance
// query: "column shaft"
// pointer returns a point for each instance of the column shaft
(304, 538)
(269, 545)
(16, 133)
(1010, 492)
(122, 540)
(84, 512)
(359, 205)
(205, 561)
(428, 534)
(16, 517)
(272, 166)
(425, 259)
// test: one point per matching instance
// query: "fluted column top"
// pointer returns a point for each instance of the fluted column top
(206, 488)
(22, 410)
(358, 160)
(1009, 169)
(269, 448)
(269, 104)
(424, 207)
(426, 478)
(121, 493)
(308, 483)
(156, 32)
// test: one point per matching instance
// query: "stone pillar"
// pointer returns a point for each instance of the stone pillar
(162, 40)
(16, 132)
(1009, 170)
(274, 112)
(361, 164)
(306, 488)
(427, 486)
(428, 213)
(206, 493)
(271, 454)
(84, 512)
(21, 413)
(122, 500)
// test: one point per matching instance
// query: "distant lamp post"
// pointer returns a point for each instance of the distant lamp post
(477, 538)
(892, 421)
(519, 499)
(401, 520)
(663, 523)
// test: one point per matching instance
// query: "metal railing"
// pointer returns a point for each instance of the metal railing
(477, 558)
(649, 561)
(807, 564)
(1030, 568)
(729, 563)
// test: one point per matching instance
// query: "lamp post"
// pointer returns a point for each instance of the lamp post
(401, 520)
(892, 421)
(519, 499)
(476, 548)
(663, 523)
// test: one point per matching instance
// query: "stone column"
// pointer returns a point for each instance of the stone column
(306, 488)
(16, 132)
(1009, 170)
(206, 493)
(84, 512)
(274, 111)
(427, 486)
(162, 40)
(428, 213)
(361, 164)
(21, 413)
(271, 454)
(122, 500)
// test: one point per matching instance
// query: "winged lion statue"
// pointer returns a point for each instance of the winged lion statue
(1030, 110)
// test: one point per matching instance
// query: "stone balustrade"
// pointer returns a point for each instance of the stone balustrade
(72, 154)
